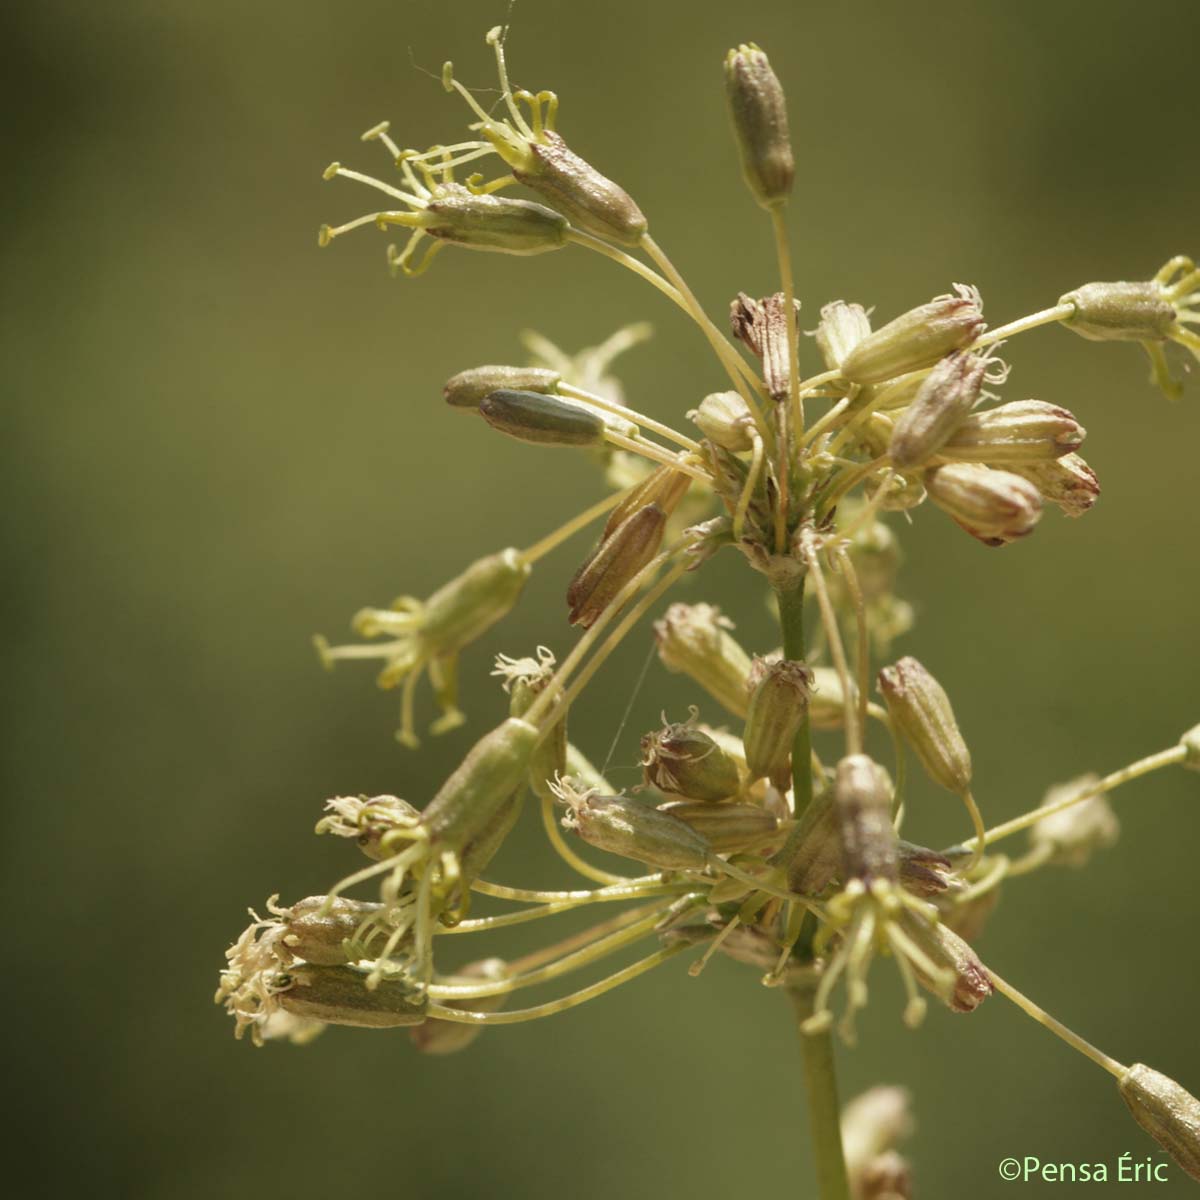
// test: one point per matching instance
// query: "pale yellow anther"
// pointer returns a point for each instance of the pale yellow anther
(331, 171)
(376, 131)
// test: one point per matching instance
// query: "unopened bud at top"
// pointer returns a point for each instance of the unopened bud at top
(724, 418)
(842, 327)
(681, 760)
(628, 550)
(1168, 1113)
(542, 420)
(1069, 837)
(996, 507)
(760, 125)
(779, 691)
(863, 803)
(469, 388)
(918, 338)
(940, 406)
(921, 713)
(695, 639)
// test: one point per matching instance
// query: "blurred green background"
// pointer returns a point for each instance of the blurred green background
(221, 440)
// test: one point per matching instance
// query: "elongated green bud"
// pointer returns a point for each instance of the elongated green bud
(542, 420)
(340, 996)
(1021, 431)
(918, 338)
(493, 223)
(682, 761)
(941, 404)
(969, 984)
(629, 548)
(1170, 1115)
(842, 327)
(575, 188)
(1068, 482)
(996, 507)
(1070, 837)
(1120, 312)
(725, 419)
(479, 792)
(726, 827)
(863, 804)
(778, 703)
(635, 830)
(921, 713)
(760, 125)
(470, 604)
(436, 1036)
(469, 388)
(694, 639)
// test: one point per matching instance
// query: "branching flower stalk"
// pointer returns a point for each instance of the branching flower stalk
(775, 841)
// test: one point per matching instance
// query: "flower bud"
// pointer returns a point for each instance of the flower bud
(680, 760)
(1019, 432)
(1170, 1115)
(727, 828)
(474, 809)
(576, 189)
(469, 388)
(436, 1036)
(1069, 837)
(724, 418)
(664, 486)
(1120, 312)
(1191, 743)
(323, 931)
(542, 420)
(340, 996)
(941, 404)
(921, 713)
(778, 703)
(997, 507)
(493, 222)
(842, 327)
(694, 639)
(923, 872)
(634, 830)
(918, 338)
(1068, 482)
(970, 982)
(629, 549)
(760, 125)
(863, 802)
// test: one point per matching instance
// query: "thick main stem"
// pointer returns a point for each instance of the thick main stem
(824, 1110)
(820, 1073)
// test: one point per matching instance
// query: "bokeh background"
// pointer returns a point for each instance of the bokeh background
(220, 441)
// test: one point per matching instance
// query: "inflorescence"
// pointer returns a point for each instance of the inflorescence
(771, 834)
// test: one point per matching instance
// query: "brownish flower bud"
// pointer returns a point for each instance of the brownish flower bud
(634, 830)
(940, 406)
(778, 702)
(863, 800)
(340, 996)
(630, 547)
(923, 872)
(681, 760)
(971, 984)
(997, 507)
(1170, 1115)
(1068, 482)
(842, 327)
(921, 713)
(760, 125)
(663, 486)
(726, 827)
(694, 639)
(1019, 432)
(436, 1036)
(468, 388)
(917, 338)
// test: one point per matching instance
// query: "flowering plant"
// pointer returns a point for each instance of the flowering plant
(777, 842)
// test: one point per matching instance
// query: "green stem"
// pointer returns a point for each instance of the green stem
(824, 1111)
(791, 619)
